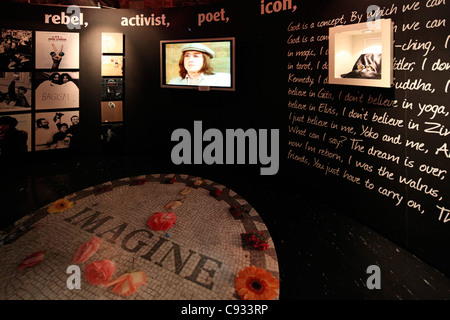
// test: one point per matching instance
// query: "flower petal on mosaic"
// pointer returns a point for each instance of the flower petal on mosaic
(217, 192)
(197, 182)
(100, 272)
(60, 206)
(185, 191)
(87, 250)
(162, 221)
(32, 260)
(128, 283)
(173, 205)
(254, 283)
(138, 182)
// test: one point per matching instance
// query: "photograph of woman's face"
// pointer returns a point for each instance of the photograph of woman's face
(193, 61)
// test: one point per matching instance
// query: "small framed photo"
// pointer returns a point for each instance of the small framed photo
(56, 130)
(57, 50)
(112, 66)
(15, 134)
(112, 43)
(56, 90)
(16, 48)
(362, 54)
(112, 111)
(15, 91)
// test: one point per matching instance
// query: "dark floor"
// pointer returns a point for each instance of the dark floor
(322, 253)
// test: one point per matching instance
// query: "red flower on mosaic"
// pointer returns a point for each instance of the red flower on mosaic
(128, 283)
(32, 260)
(162, 221)
(217, 192)
(87, 250)
(138, 182)
(103, 189)
(239, 211)
(254, 283)
(256, 239)
(172, 180)
(100, 272)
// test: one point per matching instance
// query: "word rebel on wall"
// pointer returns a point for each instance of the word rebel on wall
(235, 139)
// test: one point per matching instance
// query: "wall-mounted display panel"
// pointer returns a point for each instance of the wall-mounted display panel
(56, 130)
(15, 91)
(112, 66)
(112, 43)
(56, 90)
(57, 50)
(112, 111)
(16, 47)
(362, 54)
(15, 133)
(112, 88)
(198, 64)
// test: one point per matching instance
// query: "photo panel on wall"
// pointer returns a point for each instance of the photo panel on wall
(15, 134)
(56, 130)
(112, 88)
(16, 47)
(112, 66)
(112, 43)
(15, 91)
(55, 90)
(57, 50)
(111, 137)
(112, 111)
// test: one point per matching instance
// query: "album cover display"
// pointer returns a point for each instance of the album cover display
(57, 50)
(112, 42)
(112, 111)
(15, 134)
(56, 130)
(16, 49)
(56, 90)
(15, 91)
(112, 88)
(112, 66)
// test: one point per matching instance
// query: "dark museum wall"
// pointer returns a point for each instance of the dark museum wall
(380, 154)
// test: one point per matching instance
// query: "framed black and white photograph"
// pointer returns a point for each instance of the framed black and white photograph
(112, 89)
(112, 42)
(56, 90)
(112, 111)
(57, 50)
(112, 66)
(16, 47)
(56, 130)
(15, 91)
(15, 134)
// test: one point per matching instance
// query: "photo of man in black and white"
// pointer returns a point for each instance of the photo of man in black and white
(13, 141)
(15, 49)
(15, 91)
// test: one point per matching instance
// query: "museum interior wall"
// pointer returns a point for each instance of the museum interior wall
(380, 153)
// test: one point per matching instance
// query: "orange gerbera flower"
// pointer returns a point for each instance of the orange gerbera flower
(254, 283)
(59, 206)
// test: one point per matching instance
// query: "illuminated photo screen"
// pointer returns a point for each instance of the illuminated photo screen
(198, 63)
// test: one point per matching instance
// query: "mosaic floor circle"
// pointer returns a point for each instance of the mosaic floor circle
(198, 258)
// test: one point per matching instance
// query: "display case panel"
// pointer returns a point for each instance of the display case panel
(362, 54)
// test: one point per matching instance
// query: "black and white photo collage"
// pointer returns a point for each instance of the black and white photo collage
(39, 91)
(112, 103)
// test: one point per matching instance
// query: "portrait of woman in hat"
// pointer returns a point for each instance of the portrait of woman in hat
(195, 68)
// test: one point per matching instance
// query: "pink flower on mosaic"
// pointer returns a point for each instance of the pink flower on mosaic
(162, 221)
(32, 260)
(100, 272)
(128, 283)
(87, 250)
